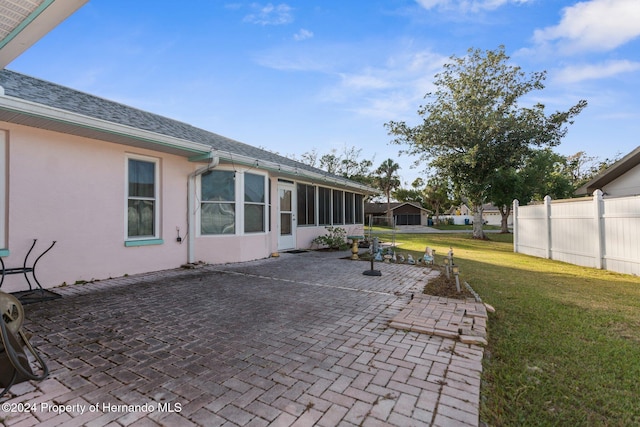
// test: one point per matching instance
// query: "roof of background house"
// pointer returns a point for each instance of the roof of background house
(63, 98)
(381, 207)
(613, 172)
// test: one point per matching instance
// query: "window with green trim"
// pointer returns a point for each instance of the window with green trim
(142, 198)
(3, 190)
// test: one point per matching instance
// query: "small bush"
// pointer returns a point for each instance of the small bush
(336, 238)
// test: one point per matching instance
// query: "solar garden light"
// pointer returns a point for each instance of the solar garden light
(446, 267)
(456, 271)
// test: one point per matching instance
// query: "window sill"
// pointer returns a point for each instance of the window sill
(148, 242)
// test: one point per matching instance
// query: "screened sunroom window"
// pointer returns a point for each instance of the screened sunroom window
(338, 207)
(324, 206)
(306, 204)
(218, 202)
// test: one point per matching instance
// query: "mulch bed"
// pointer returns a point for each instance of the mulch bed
(443, 287)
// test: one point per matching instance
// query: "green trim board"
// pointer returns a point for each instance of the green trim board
(146, 242)
(4, 252)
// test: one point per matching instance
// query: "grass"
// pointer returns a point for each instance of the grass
(564, 343)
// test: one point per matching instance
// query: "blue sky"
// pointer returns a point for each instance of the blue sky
(295, 76)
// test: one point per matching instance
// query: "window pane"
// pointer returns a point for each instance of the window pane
(311, 205)
(306, 204)
(338, 210)
(285, 224)
(141, 178)
(140, 218)
(348, 208)
(359, 209)
(324, 206)
(253, 188)
(218, 186)
(285, 200)
(302, 204)
(253, 218)
(218, 218)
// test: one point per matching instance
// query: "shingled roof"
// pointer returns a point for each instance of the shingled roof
(63, 98)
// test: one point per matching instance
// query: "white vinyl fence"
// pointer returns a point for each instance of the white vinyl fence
(592, 232)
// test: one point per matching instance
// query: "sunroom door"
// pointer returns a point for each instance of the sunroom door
(287, 216)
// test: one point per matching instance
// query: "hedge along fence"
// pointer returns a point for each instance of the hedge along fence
(592, 232)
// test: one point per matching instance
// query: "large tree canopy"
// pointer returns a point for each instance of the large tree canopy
(474, 126)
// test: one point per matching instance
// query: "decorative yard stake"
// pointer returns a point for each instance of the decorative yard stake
(456, 271)
(446, 267)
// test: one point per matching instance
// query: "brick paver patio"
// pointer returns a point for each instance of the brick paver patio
(299, 340)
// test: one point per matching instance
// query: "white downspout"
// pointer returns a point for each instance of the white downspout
(191, 212)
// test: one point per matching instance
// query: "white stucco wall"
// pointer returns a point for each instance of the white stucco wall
(72, 190)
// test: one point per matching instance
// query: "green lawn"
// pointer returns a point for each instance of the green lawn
(564, 343)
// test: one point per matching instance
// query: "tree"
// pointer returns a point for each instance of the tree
(387, 180)
(541, 174)
(346, 164)
(545, 174)
(582, 167)
(330, 162)
(437, 194)
(414, 194)
(473, 125)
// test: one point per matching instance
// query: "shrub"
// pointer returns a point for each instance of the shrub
(336, 238)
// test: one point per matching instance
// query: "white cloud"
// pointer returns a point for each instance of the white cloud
(392, 91)
(269, 14)
(467, 5)
(578, 73)
(595, 25)
(302, 35)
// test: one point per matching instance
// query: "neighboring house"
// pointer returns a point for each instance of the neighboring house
(492, 216)
(125, 191)
(406, 213)
(490, 213)
(618, 180)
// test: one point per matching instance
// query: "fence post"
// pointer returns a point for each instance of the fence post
(599, 210)
(516, 204)
(547, 226)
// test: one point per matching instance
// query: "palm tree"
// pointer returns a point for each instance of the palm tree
(387, 180)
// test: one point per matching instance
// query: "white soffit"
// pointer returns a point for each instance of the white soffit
(24, 22)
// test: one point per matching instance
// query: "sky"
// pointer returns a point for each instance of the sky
(303, 75)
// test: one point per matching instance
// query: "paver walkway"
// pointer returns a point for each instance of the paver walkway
(299, 340)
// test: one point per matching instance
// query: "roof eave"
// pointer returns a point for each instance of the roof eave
(27, 113)
(613, 172)
(19, 111)
(294, 173)
(39, 22)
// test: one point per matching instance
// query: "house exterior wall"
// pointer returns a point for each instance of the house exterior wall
(626, 185)
(73, 190)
